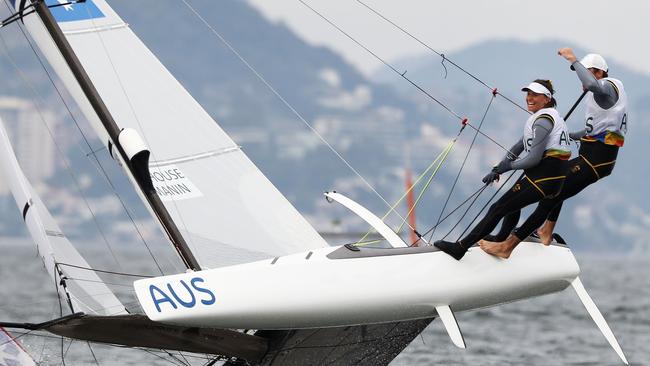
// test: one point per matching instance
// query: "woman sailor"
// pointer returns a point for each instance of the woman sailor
(545, 144)
(606, 125)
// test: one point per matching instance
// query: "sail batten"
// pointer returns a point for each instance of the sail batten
(96, 29)
(182, 159)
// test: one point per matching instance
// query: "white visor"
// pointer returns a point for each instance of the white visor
(538, 88)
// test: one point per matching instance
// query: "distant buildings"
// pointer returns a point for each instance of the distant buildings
(31, 141)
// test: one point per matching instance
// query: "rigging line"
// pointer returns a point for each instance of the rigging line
(486, 204)
(105, 271)
(464, 121)
(13, 338)
(16, 16)
(183, 356)
(426, 186)
(58, 147)
(490, 138)
(442, 55)
(286, 103)
(92, 353)
(67, 349)
(478, 191)
(469, 207)
(137, 120)
(46, 336)
(58, 297)
(417, 181)
(402, 74)
(40, 357)
(462, 166)
(29, 333)
(97, 281)
(161, 357)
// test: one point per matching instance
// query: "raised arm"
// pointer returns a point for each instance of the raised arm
(605, 93)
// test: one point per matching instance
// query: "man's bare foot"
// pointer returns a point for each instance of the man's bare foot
(503, 249)
(546, 232)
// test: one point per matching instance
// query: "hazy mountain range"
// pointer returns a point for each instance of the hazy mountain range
(379, 124)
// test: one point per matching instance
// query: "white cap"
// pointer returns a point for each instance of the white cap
(538, 88)
(594, 60)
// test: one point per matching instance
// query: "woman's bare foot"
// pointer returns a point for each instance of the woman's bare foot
(503, 249)
(546, 232)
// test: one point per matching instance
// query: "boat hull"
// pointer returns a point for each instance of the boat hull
(337, 287)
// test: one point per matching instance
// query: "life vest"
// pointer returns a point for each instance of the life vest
(607, 125)
(557, 143)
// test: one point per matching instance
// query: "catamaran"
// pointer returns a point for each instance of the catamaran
(261, 286)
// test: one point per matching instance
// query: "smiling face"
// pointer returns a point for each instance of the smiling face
(535, 102)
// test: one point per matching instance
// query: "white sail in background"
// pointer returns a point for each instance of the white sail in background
(87, 291)
(226, 209)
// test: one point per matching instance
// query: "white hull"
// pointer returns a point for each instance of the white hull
(298, 292)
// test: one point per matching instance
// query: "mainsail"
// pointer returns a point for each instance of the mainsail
(225, 208)
(77, 283)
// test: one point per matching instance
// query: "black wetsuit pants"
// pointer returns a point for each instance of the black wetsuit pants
(596, 161)
(543, 180)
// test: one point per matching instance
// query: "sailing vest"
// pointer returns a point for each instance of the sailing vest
(607, 125)
(557, 143)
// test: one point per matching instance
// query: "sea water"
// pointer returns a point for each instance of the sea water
(549, 330)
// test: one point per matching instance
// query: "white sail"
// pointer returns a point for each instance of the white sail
(86, 290)
(226, 209)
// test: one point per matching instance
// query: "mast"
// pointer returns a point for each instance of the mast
(138, 164)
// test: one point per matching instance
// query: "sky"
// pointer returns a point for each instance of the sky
(616, 29)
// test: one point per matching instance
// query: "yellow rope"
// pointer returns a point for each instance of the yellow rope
(426, 186)
(439, 159)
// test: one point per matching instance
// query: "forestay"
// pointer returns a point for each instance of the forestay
(226, 209)
(87, 291)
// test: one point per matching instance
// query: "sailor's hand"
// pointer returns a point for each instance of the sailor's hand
(491, 177)
(568, 54)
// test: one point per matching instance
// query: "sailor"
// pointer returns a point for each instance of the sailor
(544, 151)
(603, 135)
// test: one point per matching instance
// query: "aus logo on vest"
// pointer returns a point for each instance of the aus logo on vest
(564, 139)
(181, 294)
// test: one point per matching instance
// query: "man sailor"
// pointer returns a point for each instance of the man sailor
(604, 133)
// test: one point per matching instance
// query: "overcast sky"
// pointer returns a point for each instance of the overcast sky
(617, 29)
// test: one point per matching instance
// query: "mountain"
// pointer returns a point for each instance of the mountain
(379, 124)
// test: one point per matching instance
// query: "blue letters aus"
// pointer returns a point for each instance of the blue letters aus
(159, 296)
